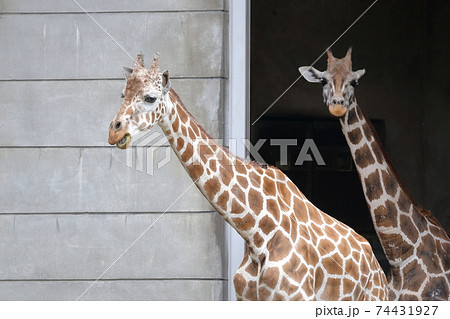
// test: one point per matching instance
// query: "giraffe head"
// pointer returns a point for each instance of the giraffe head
(144, 101)
(338, 82)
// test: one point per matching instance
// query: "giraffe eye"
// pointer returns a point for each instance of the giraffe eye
(324, 82)
(122, 96)
(354, 83)
(150, 99)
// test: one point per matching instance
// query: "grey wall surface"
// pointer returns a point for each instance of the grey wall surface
(69, 204)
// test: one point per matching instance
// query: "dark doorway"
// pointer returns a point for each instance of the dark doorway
(399, 43)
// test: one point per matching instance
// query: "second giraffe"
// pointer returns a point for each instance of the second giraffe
(416, 245)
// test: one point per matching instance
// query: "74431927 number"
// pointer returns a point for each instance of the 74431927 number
(407, 310)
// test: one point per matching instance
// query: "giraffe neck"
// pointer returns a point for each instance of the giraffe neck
(394, 214)
(217, 174)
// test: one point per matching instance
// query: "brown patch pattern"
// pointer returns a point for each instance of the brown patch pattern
(212, 165)
(182, 114)
(295, 269)
(273, 208)
(386, 215)
(278, 246)
(252, 269)
(251, 292)
(222, 200)
(255, 201)
(378, 153)
(270, 277)
(333, 264)
(175, 125)
(269, 187)
(266, 225)
(352, 118)
(195, 170)
(409, 229)
(225, 175)
(244, 223)
(436, 289)
(239, 284)
(258, 240)
(390, 184)
(240, 168)
(180, 144)
(243, 182)
(238, 193)
(255, 179)
(355, 136)
(187, 154)
(212, 186)
(363, 157)
(287, 287)
(427, 253)
(236, 208)
(373, 186)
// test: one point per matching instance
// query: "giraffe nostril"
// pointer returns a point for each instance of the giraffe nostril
(338, 101)
(118, 125)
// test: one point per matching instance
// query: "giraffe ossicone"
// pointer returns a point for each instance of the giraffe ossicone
(416, 245)
(294, 251)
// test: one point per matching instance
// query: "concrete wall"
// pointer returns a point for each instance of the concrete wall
(69, 205)
(403, 47)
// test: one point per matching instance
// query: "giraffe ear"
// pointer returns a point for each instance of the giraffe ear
(359, 73)
(165, 80)
(311, 74)
(126, 71)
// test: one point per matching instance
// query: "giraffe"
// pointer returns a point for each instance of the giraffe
(293, 250)
(416, 245)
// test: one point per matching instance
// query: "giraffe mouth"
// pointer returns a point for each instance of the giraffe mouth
(124, 142)
(337, 110)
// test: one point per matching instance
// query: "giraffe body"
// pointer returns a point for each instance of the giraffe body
(416, 245)
(293, 250)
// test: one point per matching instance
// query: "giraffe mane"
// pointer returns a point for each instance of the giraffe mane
(429, 216)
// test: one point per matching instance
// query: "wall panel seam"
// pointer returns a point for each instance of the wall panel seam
(108, 12)
(113, 279)
(112, 79)
(105, 213)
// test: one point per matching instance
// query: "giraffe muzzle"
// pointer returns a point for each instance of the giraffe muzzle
(124, 142)
(337, 110)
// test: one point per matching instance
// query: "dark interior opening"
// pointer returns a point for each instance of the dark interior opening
(400, 44)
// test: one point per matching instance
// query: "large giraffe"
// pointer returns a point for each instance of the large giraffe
(416, 245)
(294, 251)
